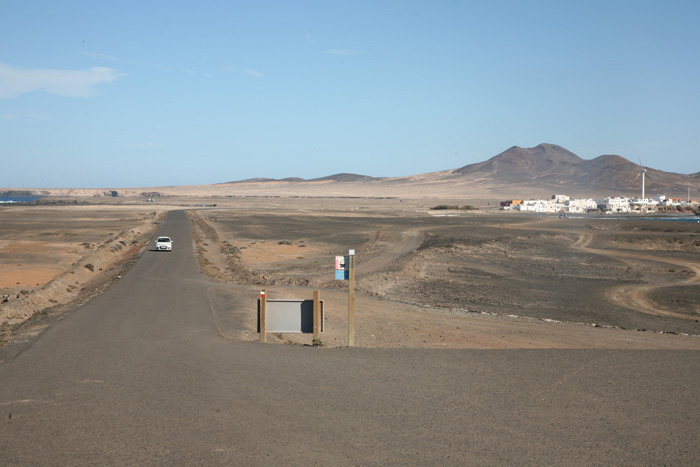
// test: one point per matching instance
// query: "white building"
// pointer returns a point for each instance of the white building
(614, 204)
(539, 205)
(580, 205)
(664, 201)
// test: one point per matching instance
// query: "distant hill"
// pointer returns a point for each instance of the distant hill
(343, 177)
(517, 172)
(266, 180)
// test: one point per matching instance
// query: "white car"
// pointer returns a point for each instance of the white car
(164, 244)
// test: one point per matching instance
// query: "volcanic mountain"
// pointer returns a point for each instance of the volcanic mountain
(523, 165)
(548, 166)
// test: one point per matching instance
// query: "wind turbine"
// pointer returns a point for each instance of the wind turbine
(642, 173)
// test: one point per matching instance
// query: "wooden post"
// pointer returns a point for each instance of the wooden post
(317, 314)
(351, 300)
(263, 316)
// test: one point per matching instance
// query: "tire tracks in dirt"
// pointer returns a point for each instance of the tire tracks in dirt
(633, 297)
(386, 247)
(636, 297)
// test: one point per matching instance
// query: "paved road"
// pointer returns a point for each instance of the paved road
(139, 376)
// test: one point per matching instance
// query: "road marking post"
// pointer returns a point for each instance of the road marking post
(263, 317)
(351, 299)
(317, 314)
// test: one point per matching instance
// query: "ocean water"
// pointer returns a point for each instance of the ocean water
(632, 217)
(17, 199)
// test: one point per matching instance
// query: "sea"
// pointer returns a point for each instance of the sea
(18, 199)
(632, 217)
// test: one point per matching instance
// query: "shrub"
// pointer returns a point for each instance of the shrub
(447, 207)
(317, 342)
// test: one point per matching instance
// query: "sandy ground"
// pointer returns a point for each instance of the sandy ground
(483, 279)
(429, 185)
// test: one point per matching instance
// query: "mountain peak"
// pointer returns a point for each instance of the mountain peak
(346, 177)
(526, 163)
(546, 151)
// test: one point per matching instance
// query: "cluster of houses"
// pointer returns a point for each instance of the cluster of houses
(608, 204)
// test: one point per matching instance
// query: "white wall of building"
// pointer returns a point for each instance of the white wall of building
(581, 205)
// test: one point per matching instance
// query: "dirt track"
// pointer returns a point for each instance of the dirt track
(591, 271)
(637, 297)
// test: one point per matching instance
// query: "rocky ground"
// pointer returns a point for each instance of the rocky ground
(425, 278)
(628, 274)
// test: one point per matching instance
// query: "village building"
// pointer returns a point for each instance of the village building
(614, 204)
(608, 204)
(581, 205)
(664, 201)
(539, 205)
(510, 204)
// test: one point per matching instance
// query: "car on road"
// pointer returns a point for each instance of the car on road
(164, 244)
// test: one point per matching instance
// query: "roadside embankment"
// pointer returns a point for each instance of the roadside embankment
(59, 255)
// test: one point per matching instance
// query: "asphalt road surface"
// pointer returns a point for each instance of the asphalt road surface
(139, 376)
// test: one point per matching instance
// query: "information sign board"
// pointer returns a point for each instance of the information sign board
(291, 316)
(342, 268)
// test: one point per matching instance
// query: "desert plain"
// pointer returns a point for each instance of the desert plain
(426, 278)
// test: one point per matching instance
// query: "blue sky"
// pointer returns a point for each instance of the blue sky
(150, 93)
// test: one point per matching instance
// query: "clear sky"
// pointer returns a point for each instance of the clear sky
(155, 93)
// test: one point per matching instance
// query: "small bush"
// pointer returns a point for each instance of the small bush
(317, 342)
(447, 207)
(90, 267)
